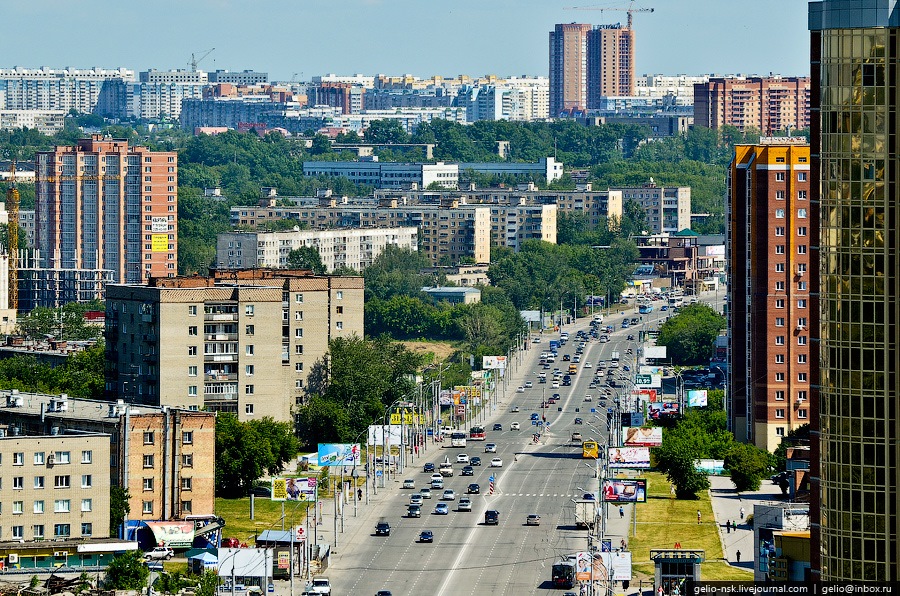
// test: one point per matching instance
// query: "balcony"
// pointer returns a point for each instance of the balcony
(220, 376)
(220, 337)
(220, 358)
(231, 316)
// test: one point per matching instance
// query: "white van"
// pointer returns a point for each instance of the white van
(598, 318)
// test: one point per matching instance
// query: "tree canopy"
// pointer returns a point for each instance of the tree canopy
(247, 450)
(691, 334)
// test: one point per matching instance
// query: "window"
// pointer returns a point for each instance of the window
(87, 529)
(18, 459)
(298, 349)
(779, 285)
(192, 371)
(779, 321)
(298, 367)
(779, 176)
(148, 461)
(192, 390)
(801, 396)
(339, 324)
(779, 303)
(147, 507)
(298, 298)
(779, 358)
(779, 413)
(18, 507)
(187, 460)
(39, 458)
(86, 504)
(192, 310)
(187, 437)
(18, 532)
(779, 213)
(801, 340)
(298, 332)
(801, 377)
(801, 231)
(801, 176)
(779, 267)
(779, 396)
(801, 249)
(87, 456)
(801, 303)
(801, 322)
(248, 390)
(148, 484)
(62, 481)
(248, 310)
(249, 369)
(192, 330)
(18, 482)
(248, 350)
(192, 350)
(148, 438)
(801, 213)
(86, 481)
(38, 507)
(779, 194)
(801, 285)
(801, 195)
(339, 295)
(186, 483)
(801, 358)
(298, 384)
(779, 231)
(298, 315)
(779, 377)
(61, 505)
(339, 310)
(187, 507)
(249, 329)
(779, 340)
(248, 409)
(38, 531)
(779, 249)
(38, 482)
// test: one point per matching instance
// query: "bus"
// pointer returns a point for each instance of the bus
(476, 433)
(676, 302)
(457, 439)
(645, 309)
(590, 450)
(563, 574)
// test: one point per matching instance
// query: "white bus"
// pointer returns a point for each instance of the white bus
(457, 439)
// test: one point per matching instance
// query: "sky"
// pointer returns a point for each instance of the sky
(295, 40)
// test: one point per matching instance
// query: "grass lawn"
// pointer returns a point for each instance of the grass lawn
(238, 524)
(664, 520)
(441, 349)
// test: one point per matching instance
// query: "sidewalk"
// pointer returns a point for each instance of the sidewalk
(726, 505)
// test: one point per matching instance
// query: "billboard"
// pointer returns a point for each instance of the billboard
(642, 437)
(294, 489)
(655, 352)
(663, 409)
(379, 433)
(172, 534)
(159, 225)
(629, 457)
(697, 398)
(583, 571)
(490, 362)
(625, 491)
(446, 398)
(338, 454)
(406, 417)
(159, 242)
(642, 380)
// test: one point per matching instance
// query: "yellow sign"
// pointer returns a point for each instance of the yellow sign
(159, 242)
(407, 418)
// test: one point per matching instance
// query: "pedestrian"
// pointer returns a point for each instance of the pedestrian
(698, 517)
(624, 544)
(621, 512)
(738, 556)
(742, 513)
(733, 526)
(672, 490)
(359, 494)
(728, 525)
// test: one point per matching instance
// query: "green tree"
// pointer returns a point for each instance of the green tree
(690, 336)
(795, 437)
(385, 132)
(748, 465)
(208, 584)
(119, 508)
(676, 458)
(127, 572)
(306, 257)
(247, 450)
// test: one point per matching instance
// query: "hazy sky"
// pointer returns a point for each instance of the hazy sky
(419, 37)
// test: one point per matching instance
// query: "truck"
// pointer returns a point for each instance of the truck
(319, 585)
(598, 318)
(554, 346)
(614, 356)
(587, 513)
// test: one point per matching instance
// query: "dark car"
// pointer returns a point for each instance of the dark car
(261, 491)
(388, 593)
(382, 528)
(567, 358)
(579, 421)
(534, 416)
(498, 427)
(467, 471)
(475, 461)
(429, 467)
(426, 536)
(588, 496)
(492, 517)
(473, 489)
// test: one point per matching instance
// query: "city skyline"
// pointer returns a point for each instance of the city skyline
(380, 37)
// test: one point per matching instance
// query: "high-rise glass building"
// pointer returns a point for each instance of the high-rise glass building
(855, 46)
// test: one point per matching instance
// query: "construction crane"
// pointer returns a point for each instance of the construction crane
(629, 10)
(12, 237)
(195, 60)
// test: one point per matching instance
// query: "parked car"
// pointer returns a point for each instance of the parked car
(159, 553)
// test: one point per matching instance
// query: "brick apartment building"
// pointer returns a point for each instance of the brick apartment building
(768, 104)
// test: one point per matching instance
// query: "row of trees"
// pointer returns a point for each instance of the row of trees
(80, 376)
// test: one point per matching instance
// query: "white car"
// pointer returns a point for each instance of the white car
(449, 495)
(555, 385)
(465, 504)
(496, 463)
(529, 384)
(587, 365)
(588, 397)
(520, 389)
(409, 483)
(436, 476)
(514, 426)
(415, 499)
(437, 484)
(425, 493)
(462, 458)
(536, 340)
(490, 448)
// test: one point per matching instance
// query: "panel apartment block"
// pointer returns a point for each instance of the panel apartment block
(164, 457)
(770, 316)
(238, 341)
(55, 487)
(768, 104)
(104, 205)
(668, 209)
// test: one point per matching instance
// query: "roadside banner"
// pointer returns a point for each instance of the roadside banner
(622, 490)
(294, 489)
(339, 454)
(642, 436)
(629, 457)
(492, 362)
(697, 398)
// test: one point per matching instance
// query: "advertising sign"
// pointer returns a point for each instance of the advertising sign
(446, 398)
(712, 467)
(697, 398)
(172, 534)
(159, 242)
(159, 225)
(642, 437)
(664, 409)
(293, 489)
(625, 491)
(658, 352)
(643, 380)
(629, 457)
(583, 570)
(378, 434)
(461, 411)
(338, 454)
(491, 362)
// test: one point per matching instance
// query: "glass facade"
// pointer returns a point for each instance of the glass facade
(858, 390)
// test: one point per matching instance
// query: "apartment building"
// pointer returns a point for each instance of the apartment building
(511, 225)
(240, 341)
(767, 104)
(667, 209)
(568, 68)
(49, 90)
(769, 241)
(243, 77)
(610, 66)
(164, 457)
(103, 204)
(55, 487)
(353, 248)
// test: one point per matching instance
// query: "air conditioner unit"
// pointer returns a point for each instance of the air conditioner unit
(12, 558)
(801, 327)
(51, 459)
(60, 553)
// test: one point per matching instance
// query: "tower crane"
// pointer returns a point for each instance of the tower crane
(629, 10)
(195, 60)
(12, 237)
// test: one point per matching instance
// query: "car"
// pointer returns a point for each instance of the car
(429, 467)
(425, 492)
(576, 437)
(625, 324)
(514, 409)
(449, 495)
(588, 397)
(491, 517)
(473, 489)
(467, 471)
(414, 511)
(436, 477)
(520, 389)
(496, 463)
(498, 426)
(626, 368)
(159, 553)
(529, 384)
(409, 483)
(382, 528)
(779, 477)
(555, 384)
(475, 461)
(441, 509)
(534, 416)
(588, 497)
(426, 536)
(415, 499)
(536, 340)
(490, 448)
(664, 307)
(462, 458)
(587, 364)
(630, 338)
(388, 593)
(567, 358)
(437, 484)
(514, 426)
(465, 504)
(635, 321)
(579, 421)
(261, 491)
(533, 520)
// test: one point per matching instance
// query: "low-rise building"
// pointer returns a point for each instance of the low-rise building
(454, 295)
(770, 519)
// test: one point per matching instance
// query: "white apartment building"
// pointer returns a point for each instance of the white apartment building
(353, 248)
(668, 209)
(48, 89)
(48, 122)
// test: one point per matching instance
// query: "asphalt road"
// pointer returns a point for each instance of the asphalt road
(468, 557)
